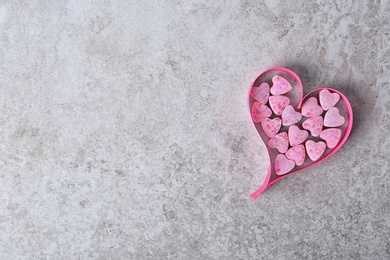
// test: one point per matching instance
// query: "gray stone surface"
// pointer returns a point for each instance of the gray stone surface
(125, 131)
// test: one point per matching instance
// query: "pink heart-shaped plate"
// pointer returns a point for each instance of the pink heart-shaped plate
(314, 131)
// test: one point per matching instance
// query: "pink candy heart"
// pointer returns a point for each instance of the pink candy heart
(280, 85)
(280, 142)
(315, 150)
(331, 136)
(327, 99)
(283, 165)
(296, 135)
(314, 125)
(290, 116)
(297, 154)
(311, 108)
(285, 127)
(333, 118)
(278, 103)
(260, 111)
(261, 93)
(271, 126)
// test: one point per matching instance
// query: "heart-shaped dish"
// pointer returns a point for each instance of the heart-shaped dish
(299, 132)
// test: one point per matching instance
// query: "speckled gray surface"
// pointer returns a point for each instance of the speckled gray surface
(125, 133)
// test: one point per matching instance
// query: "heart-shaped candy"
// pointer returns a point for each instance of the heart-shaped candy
(261, 93)
(331, 136)
(315, 150)
(260, 111)
(297, 154)
(271, 126)
(296, 135)
(314, 125)
(280, 142)
(290, 116)
(275, 100)
(327, 99)
(278, 103)
(311, 108)
(333, 118)
(280, 85)
(283, 165)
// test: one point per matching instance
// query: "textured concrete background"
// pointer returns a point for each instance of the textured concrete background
(125, 133)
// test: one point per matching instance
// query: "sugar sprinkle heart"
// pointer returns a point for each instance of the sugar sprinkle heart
(283, 165)
(331, 136)
(271, 126)
(278, 103)
(296, 136)
(297, 154)
(315, 149)
(260, 111)
(290, 116)
(314, 125)
(333, 118)
(311, 108)
(280, 85)
(327, 99)
(261, 93)
(280, 142)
